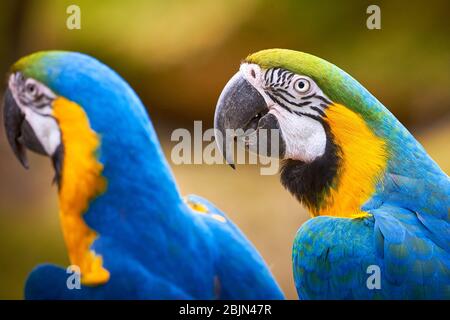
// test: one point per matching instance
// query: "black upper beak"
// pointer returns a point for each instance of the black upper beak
(239, 103)
(241, 106)
(13, 119)
(19, 133)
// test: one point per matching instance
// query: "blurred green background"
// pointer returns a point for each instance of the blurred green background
(178, 55)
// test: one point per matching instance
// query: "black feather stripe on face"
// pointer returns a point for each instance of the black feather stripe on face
(58, 161)
(311, 182)
(279, 86)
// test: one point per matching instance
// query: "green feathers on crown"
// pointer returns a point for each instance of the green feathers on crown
(339, 86)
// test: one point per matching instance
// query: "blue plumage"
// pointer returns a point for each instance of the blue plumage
(331, 258)
(152, 243)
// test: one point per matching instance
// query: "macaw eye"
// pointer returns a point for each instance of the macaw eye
(302, 85)
(31, 89)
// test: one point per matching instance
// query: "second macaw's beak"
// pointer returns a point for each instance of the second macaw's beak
(241, 107)
(19, 133)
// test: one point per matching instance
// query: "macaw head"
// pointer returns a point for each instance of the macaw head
(63, 104)
(335, 139)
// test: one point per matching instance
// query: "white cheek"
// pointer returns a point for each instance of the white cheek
(46, 130)
(305, 138)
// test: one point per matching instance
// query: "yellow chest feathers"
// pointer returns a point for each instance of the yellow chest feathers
(81, 181)
(363, 161)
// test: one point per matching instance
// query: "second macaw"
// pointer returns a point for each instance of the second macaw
(380, 204)
(127, 229)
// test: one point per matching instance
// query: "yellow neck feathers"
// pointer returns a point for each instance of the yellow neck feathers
(363, 162)
(81, 181)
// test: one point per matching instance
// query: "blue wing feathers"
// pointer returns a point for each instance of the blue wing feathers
(236, 275)
(331, 256)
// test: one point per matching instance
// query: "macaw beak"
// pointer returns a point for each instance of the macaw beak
(19, 133)
(241, 106)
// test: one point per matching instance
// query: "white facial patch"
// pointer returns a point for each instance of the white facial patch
(45, 128)
(34, 100)
(303, 133)
(305, 138)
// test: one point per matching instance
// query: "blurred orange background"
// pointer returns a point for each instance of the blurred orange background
(178, 55)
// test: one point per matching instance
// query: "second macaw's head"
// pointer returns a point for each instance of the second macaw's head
(332, 132)
(79, 112)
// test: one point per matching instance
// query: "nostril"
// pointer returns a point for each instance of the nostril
(253, 73)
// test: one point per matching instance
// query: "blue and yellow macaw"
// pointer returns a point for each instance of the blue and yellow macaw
(381, 205)
(125, 225)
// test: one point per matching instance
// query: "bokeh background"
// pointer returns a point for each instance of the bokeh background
(178, 55)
